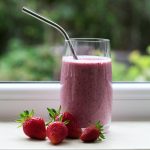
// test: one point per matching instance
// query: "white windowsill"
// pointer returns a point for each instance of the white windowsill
(129, 129)
(122, 136)
(131, 101)
(46, 91)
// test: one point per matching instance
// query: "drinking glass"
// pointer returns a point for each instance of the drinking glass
(86, 82)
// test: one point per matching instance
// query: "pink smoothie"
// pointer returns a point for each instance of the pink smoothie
(86, 89)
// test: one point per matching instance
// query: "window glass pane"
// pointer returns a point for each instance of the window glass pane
(31, 50)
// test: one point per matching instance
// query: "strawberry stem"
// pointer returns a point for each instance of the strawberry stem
(24, 116)
(53, 113)
(66, 122)
(59, 109)
(100, 127)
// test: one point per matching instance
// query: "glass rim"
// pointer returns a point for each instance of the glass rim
(88, 40)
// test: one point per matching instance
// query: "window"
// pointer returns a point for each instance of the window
(131, 101)
(31, 51)
(27, 52)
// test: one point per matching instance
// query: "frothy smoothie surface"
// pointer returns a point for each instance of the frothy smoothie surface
(86, 89)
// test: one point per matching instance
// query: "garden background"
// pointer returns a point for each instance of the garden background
(32, 51)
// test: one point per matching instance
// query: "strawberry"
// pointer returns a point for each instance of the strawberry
(68, 116)
(92, 133)
(56, 132)
(74, 131)
(33, 127)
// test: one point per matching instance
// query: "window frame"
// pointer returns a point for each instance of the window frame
(131, 100)
(38, 90)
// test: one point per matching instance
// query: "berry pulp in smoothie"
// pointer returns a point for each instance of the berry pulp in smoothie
(86, 89)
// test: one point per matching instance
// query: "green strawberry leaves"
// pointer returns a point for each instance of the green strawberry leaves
(24, 116)
(53, 113)
(100, 127)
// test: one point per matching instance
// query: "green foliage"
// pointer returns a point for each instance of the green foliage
(125, 22)
(141, 66)
(27, 63)
(139, 69)
(40, 63)
(118, 70)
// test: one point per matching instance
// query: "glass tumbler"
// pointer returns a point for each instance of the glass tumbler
(86, 83)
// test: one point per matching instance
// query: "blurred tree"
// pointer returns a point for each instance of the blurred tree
(15, 24)
(27, 63)
(125, 22)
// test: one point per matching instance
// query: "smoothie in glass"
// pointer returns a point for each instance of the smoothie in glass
(86, 89)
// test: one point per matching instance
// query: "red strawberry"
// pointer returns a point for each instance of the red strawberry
(57, 132)
(92, 133)
(74, 131)
(33, 127)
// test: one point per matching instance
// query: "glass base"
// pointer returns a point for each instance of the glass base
(107, 128)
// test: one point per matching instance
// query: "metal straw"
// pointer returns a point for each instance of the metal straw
(53, 24)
